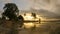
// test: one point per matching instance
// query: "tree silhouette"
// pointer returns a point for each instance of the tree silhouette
(34, 15)
(21, 19)
(10, 11)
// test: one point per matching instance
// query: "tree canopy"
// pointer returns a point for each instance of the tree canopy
(34, 15)
(10, 10)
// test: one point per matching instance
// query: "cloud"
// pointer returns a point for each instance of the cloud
(51, 5)
(7, 1)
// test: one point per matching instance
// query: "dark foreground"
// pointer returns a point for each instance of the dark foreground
(41, 28)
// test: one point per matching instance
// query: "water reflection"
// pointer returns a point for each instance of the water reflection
(41, 28)
(30, 24)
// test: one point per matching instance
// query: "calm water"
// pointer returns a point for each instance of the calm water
(39, 28)
(31, 24)
(36, 28)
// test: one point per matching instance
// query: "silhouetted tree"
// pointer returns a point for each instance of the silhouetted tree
(10, 11)
(21, 19)
(24, 14)
(34, 15)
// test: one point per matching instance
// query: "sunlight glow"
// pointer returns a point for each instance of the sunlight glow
(29, 17)
(29, 25)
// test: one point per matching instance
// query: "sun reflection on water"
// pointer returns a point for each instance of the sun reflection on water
(28, 25)
(29, 17)
(31, 24)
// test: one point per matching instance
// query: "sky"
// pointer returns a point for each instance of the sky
(51, 5)
(22, 4)
(36, 4)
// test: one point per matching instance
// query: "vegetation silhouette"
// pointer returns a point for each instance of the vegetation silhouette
(21, 19)
(34, 15)
(11, 11)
